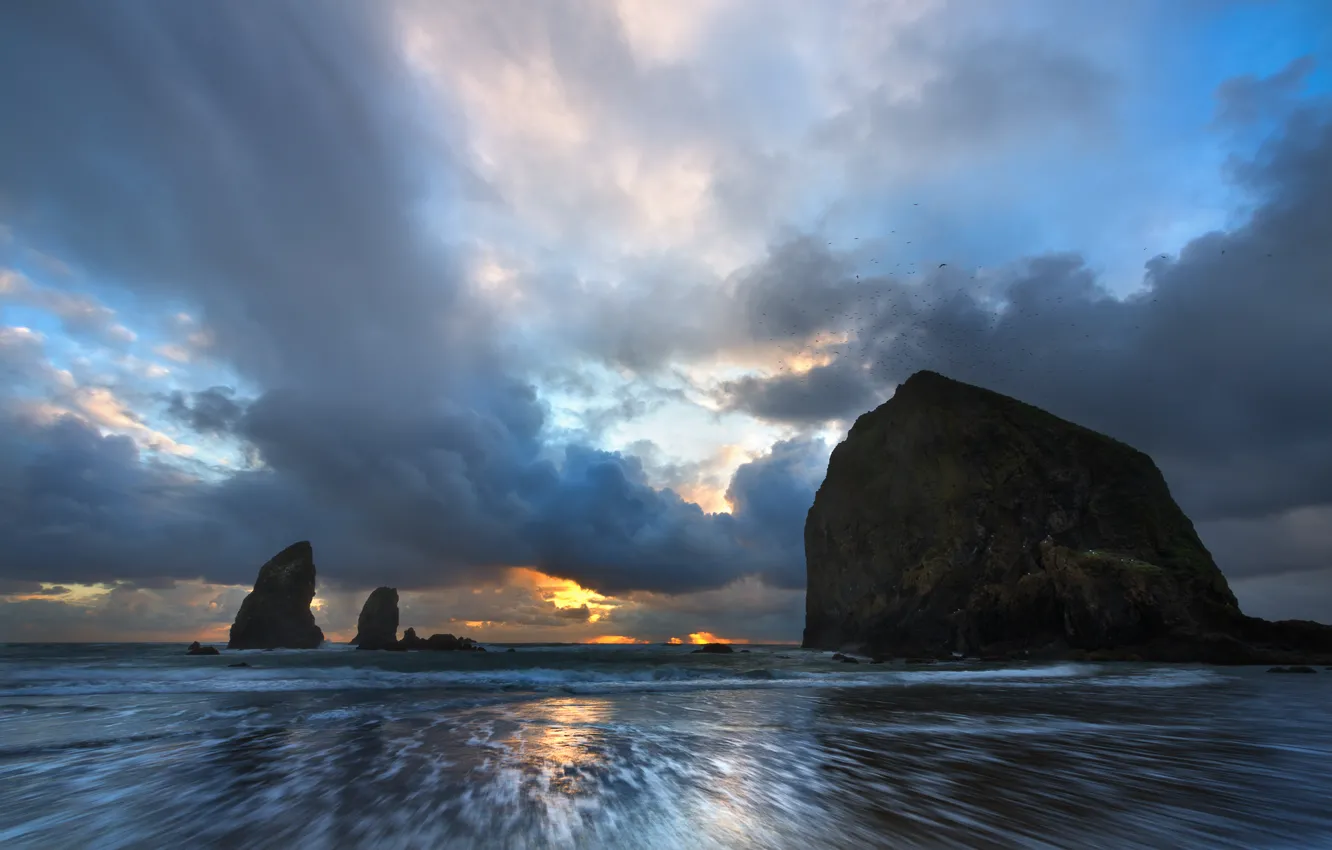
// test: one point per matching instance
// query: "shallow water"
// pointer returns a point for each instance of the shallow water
(126, 745)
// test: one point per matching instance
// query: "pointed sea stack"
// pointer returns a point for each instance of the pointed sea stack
(956, 519)
(276, 614)
(377, 627)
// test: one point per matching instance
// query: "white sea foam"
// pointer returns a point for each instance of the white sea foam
(204, 680)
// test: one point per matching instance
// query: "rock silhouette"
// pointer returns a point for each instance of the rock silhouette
(276, 614)
(377, 627)
(438, 643)
(197, 648)
(954, 519)
(714, 648)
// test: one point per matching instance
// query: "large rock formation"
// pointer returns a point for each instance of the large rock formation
(277, 612)
(377, 627)
(955, 519)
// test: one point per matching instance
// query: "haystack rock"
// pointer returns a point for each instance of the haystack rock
(276, 614)
(957, 520)
(377, 627)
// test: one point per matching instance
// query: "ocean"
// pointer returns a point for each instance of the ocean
(141, 746)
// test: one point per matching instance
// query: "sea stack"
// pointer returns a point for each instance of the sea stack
(276, 614)
(954, 519)
(377, 627)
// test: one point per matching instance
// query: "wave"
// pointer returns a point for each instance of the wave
(207, 680)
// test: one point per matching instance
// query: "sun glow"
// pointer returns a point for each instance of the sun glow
(562, 592)
(616, 639)
(709, 637)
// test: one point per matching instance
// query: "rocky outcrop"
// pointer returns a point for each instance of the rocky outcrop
(276, 614)
(714, 648)
(197, 648)
(958, 520)
(438, 643)
(377, 627)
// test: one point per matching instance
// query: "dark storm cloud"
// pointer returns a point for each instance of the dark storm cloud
(1218, 368)
(770, 496)
(1247, 100)
(828, 392)
(990, 93)
(256, 162)
(602, 524)
(211, 411)
(260, 165)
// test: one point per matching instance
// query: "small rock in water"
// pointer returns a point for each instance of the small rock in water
(1298, 668)
(198, 649)
(437, 643)
(511, 649)
(720, 648)
(239, 664)
(845, 659)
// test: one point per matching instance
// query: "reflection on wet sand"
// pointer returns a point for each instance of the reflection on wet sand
(1079, 758)
(559, 745)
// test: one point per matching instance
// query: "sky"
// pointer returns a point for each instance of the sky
(549, 314)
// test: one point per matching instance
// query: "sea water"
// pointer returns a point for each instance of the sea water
(140, 745)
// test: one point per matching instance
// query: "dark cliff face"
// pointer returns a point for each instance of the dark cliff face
(276, 614)
(377, 627)
(953, 518)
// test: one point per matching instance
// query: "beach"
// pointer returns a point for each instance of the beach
(138, 745)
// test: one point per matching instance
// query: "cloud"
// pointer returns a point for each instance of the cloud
(184, 611)
(402, 233)
(1249, 99)
(978, 98)
(80, 315)
(212, 411)
(836, 391)
(1214, 367)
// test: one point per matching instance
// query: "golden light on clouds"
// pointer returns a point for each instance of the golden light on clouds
(616, 639)
(711, 499)
(562, 592)
(709, 637)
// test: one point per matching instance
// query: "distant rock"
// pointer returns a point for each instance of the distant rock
(438, 643)
(239, 664)
(377, 627)
(845, 659)
(410, 640)
(717, 648)
(1298, 668)
(276, 614)
(197, 648)
(957, 520)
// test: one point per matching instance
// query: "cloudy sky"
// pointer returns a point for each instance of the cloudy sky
(549, 314)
